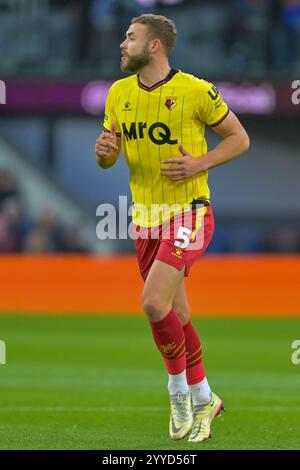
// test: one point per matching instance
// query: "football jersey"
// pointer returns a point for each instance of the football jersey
(152, 122)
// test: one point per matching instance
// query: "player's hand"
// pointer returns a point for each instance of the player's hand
(183, 167)
(106, 142)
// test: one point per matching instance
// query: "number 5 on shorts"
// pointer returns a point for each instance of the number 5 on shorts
(183, 234)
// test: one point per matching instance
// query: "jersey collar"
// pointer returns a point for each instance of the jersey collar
(158, 84)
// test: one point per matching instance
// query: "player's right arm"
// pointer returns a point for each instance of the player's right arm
(107, 148)
(108, 144)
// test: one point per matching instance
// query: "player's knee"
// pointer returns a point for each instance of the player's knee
(184, 316)
(182, 310)
(153, 307)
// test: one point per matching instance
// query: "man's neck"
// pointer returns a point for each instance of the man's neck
(154, 73)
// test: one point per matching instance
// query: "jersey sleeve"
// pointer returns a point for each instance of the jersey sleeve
(210, 107)
(110, 113)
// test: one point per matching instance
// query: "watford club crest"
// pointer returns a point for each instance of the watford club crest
(177, 252)
(171, 102)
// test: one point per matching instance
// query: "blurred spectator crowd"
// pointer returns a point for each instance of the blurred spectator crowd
(20, 233)
(250, 236)
(225, 38)
(47, 234)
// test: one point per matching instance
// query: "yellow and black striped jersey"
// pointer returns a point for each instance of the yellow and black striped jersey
(152, 122)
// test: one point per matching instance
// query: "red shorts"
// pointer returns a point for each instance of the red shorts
(179, 242)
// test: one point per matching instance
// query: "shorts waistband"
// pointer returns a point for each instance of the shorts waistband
(200, 201)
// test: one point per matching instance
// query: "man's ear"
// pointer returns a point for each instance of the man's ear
(156, 45)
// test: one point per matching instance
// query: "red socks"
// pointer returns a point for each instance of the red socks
(169, 338)
(195, 371)
(180, 347)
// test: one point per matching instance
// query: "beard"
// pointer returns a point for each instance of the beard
(136, 62)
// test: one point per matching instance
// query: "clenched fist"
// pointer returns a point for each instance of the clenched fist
(106, 142)
(106, 148)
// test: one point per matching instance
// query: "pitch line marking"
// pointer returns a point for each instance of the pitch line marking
(105, 409)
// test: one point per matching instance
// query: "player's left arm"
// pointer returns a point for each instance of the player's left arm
(235, 142)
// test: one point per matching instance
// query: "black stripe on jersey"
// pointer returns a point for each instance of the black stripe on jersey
(160, 83)
(162, 177)
(193, 153)
(186, 191)
(171, 155)
(149, 156)
(137, 147)
(202, 144)
(220, 120)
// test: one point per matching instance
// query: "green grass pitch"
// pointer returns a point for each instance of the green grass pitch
(99, 383)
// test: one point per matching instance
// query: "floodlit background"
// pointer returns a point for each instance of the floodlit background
(57, 61)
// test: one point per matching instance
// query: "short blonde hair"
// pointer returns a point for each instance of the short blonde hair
(159, 27)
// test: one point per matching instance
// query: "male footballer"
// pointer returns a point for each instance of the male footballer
(157, 116)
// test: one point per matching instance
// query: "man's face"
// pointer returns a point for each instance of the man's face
(135, 48)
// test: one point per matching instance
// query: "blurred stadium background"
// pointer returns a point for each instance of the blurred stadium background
(58, 59)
